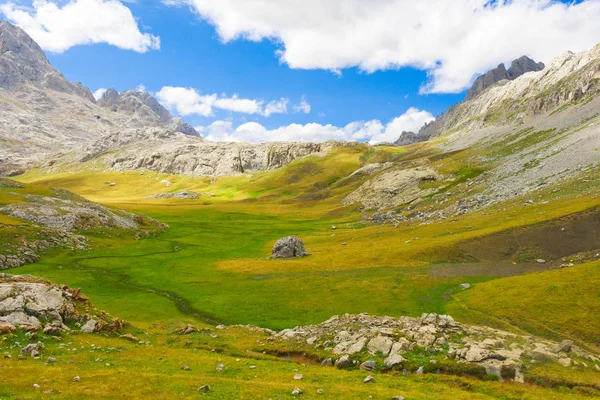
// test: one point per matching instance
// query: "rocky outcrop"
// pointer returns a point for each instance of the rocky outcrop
(72, 214)
(51, 221)
(29, 251)
(173, 153)
(181, 194)
(518, 67)
(392, 340)
(35, 304)
(407, 138)
(289, 247)
(143, 106)
(392, 188)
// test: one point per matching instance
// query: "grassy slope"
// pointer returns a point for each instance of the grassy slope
(555, 304)
(213, 262)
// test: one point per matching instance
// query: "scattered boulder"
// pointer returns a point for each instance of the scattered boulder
(380, 344)
(369, 379)
(186, 330)
(328, 362)
(343, 362)
(368, 365)
(89, 326)
(204, 388)
(289, 247)
(564, 347)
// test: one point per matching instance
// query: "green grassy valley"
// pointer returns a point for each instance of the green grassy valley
(211, 267)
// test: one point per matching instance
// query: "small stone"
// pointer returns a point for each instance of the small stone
(465, 286)
(368, 365)
(369, 379)
(298, 377)
(320, 391)
(296, 391)
(420, 371)
(220, 367)
(36, 386)
(185, 368)
(89, 326)
(51, 360)
(541, 261)
(565, 362)
(328, 362)
(564, 347)
(398, 398)
(77, 379)
(252, 366)
(343, 362)
(204, 388)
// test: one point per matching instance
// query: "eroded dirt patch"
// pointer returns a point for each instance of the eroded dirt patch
(552, 240)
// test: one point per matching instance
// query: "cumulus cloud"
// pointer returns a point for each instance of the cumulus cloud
(58, 26)
(98, 93)
(304, 106)
(451, 40)
(187, 101)
(372, 131)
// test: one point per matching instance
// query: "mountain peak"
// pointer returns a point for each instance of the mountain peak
(518, 67)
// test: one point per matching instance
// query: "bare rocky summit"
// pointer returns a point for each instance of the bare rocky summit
(518, 67)
(49, 122)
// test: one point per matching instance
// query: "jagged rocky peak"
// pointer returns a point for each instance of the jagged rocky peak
(407, 137)
(22, 61)
(146, 107)
(518, 67)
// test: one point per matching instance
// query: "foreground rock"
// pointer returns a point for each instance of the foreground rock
(35, 304)
(352, 337)
(289, 247)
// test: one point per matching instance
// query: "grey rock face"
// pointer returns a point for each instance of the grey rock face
(518, 67)
(144, 107)
(289, 247)
(407, 138)
(179, 125)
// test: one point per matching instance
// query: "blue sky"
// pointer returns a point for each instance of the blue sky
(343, 75)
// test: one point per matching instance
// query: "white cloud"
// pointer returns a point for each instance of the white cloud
(187, 101)
(276, 107)
(304, 106)
(451, 40)
(373, 131)
(57, 27)
(98, 93)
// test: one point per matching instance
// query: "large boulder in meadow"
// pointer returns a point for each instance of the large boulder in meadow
(289, 247)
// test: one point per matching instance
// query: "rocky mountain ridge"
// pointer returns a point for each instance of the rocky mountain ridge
(570, 79)
(518, 67)
(47, 121)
